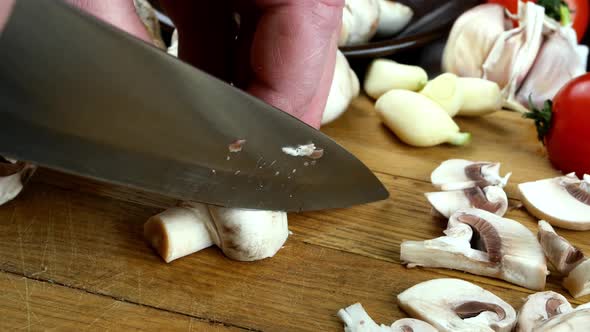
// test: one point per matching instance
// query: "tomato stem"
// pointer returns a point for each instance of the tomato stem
(542, 118)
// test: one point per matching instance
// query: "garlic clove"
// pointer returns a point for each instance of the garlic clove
(360, 19)
(471, 39)
(384, 75)
(480, 97)
(560, 59)
(393, 17)
(446, 91)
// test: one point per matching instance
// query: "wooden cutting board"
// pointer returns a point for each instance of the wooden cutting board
(72, 254)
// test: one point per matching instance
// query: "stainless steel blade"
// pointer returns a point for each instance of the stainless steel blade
(82, 97)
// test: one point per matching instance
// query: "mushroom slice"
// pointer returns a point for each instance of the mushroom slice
(482, 243)
(244, 235)
(540, 307)
(456, 174)
(578, 281)
(560, 252)
(356, 319)
(577, 320)
(13, 176)
(457, 305)
(563, 201)
(492, 199)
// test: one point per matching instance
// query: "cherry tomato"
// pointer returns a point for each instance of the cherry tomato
(564, 127)
(579, 12)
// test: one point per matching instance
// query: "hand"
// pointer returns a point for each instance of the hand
(285, 52)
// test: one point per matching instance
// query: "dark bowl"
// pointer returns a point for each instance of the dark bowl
(432, 20)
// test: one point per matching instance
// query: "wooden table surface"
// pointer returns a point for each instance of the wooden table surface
(72, 256)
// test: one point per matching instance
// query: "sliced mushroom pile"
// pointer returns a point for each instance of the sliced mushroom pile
(468, 184)
(356, 319)
(13, 176)
(568, 260)
(457, 305)
(482, 243)
(550, 311)
(562, 201)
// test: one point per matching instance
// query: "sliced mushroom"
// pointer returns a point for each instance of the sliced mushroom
(492, 199)
(578, 280)
(393, 17)
(457, 305)
(482, 243)
(562, 201)
(360, 19)
(356, 319)
(456, 174)
(540, 307)
(574, 321)
(13, 176)
(560, 252)
(243, 235)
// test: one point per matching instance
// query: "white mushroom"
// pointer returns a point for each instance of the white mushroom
(456, 305)
(540, 307)
(577, 320)
(356, 319)
(13, 177)
(345, 87)
(563, 201)
(393, 17)
(560, 252)
(578, 280)
(360, 19)
(455, 174)
(482, 243)
(491, 198)
(244, 235)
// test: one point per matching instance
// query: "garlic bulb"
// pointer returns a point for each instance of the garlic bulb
(560, 60)
(471, 39)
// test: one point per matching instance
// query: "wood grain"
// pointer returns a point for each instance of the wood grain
(32, 305)
(87, 237)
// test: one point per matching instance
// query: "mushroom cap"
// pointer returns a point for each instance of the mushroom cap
(455, 174)
(393, 17)
(550, 200)
(577, 320)
(491, 198)
(578, 280)
(360, 19)
(248, 235)
(411, 325)
(559, 251)
(457, 305)
(540, 307)
(483, 243)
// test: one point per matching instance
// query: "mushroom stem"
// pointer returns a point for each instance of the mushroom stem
(560, 252)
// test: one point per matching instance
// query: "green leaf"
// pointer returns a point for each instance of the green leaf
(557, 10)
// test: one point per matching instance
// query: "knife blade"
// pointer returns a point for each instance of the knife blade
(82, 97)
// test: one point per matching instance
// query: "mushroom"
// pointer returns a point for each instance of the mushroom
(345, 87)
(243, 235)
(562, 201)
(457, 305)
(491, 198)
(577, 320)
(356, 319)
(540, 307)
(360, 19)
(482, 243)
(13, 176)
(393, 17)
(455, 174)
(560, 252)
(578, 280)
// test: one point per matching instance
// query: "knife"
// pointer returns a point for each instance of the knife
(82, 97)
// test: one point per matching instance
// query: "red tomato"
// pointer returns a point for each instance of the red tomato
(579, 12)
(568, 137)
